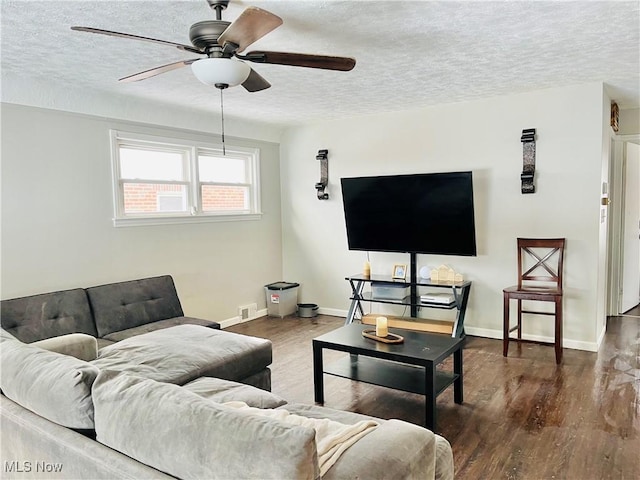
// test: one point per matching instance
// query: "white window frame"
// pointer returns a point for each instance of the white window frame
(190, 150)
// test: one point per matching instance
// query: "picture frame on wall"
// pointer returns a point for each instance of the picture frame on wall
(399, 271)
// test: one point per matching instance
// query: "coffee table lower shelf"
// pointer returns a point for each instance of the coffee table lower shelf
(399, 376)
(410, 366)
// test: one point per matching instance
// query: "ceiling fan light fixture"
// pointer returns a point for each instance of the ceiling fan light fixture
(225, 71)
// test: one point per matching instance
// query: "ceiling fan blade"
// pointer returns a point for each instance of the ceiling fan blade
(326, 62)
(255, 82)
(252, 24)
(187, 48)
(157, 71)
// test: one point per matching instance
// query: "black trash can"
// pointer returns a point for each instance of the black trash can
(307, 310)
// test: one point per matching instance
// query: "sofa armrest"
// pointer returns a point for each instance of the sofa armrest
(396, 450)
(79, 345)
(28, 438)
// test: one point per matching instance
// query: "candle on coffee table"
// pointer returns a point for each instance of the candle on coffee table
(382, 329)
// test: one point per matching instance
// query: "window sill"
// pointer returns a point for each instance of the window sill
(180, 219)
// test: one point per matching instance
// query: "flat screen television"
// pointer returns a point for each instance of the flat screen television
(428, 213)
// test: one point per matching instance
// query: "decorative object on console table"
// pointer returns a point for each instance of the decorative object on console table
(366, 270)
(445, 274)
(425, 272)
(528, 140)
(324, 174)
(399, 271)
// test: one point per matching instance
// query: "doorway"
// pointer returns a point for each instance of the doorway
(624, 228)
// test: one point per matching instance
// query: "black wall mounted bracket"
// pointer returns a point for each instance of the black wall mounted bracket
(528, 140)
(324, 174)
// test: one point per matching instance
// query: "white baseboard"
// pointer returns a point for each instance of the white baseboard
(474, 331)
(600, 338)
(567, 343)
(483, 332)
(262, 313)
(334, 312)
(236, 320)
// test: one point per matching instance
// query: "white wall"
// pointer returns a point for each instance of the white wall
(629, 121)
(57, 229)
(44, 94)
(483, 136)
(604, 223)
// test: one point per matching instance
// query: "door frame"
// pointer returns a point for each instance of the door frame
(616, 225)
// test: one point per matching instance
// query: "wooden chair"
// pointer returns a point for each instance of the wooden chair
(540, 263)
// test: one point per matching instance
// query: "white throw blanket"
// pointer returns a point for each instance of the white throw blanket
(332, 438)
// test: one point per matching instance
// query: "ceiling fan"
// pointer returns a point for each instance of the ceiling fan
(222, 42)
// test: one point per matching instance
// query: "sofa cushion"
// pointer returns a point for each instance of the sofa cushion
(186, 352)
(53, 385)
(151, 327)
(180, 433)
(123, 305)
(79, 345)
(222, 391)
(47, 315)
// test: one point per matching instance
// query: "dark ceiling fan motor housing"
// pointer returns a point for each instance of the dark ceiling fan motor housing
(204, 35)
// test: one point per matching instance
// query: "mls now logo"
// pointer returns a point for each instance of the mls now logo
(27, 467)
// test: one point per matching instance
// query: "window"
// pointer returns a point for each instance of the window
(160, 180)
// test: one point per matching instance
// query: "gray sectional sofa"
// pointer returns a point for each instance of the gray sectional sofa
(110, 312)
(119, 313)
(165, 397)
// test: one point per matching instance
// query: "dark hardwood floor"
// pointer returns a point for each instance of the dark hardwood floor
(523, 416)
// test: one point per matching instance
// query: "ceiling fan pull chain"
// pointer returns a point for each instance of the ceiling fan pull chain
(224, 152)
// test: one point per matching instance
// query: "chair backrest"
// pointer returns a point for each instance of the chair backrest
(540, 260)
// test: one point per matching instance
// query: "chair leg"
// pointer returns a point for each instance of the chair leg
(519, 319)
(505, 326)
(558, 339)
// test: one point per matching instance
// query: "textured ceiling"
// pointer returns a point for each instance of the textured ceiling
(409, 53)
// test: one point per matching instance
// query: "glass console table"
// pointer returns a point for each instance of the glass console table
(460, 291)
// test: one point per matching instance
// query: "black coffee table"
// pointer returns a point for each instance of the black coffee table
(409, 366)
